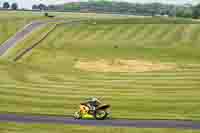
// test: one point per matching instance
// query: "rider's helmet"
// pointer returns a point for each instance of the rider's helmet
(93, 99)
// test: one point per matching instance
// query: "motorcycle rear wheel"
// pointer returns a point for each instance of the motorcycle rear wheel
(100, 114)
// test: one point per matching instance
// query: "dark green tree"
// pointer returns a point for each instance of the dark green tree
(196, 12)
(35, 7)
(14, 6)
(6, 5)
(42, 7)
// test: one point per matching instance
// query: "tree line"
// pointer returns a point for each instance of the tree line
(150, 9)
(7, 5)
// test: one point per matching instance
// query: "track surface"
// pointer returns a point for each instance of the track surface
(115, 123)
(12, 41)
(19, 36)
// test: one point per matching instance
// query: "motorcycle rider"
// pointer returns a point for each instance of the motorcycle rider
(92, 103)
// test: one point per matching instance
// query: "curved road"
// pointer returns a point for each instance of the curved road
(11, 42)
(66, 120)
(119, 123)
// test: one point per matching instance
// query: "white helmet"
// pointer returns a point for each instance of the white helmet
(93, 99)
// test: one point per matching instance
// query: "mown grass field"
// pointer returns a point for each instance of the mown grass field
(45, 81)
(52, 128)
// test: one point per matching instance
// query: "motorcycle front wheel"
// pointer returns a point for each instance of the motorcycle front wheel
(77, 115)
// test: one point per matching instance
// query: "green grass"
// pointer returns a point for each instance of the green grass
(46, 82)
(145, 20)
(54, 128)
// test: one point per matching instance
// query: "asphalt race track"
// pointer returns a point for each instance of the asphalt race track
(19, 36)
(12, 41)
(115, 123)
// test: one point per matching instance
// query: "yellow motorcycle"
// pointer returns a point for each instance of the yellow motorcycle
(99, 113)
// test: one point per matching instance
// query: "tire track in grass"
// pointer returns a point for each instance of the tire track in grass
(139, 28)
(171, 38)
(159, 29)
(100, 33)
(77, 31)
(69, 29)
(106, 30)
(109, 34)
(130, 32)
(172, 33)
(116, 36)
(148, 30)
(140, 32)
(92, 35)
(58, 41)
(51, 41)
(83, 32)
(129, 29)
